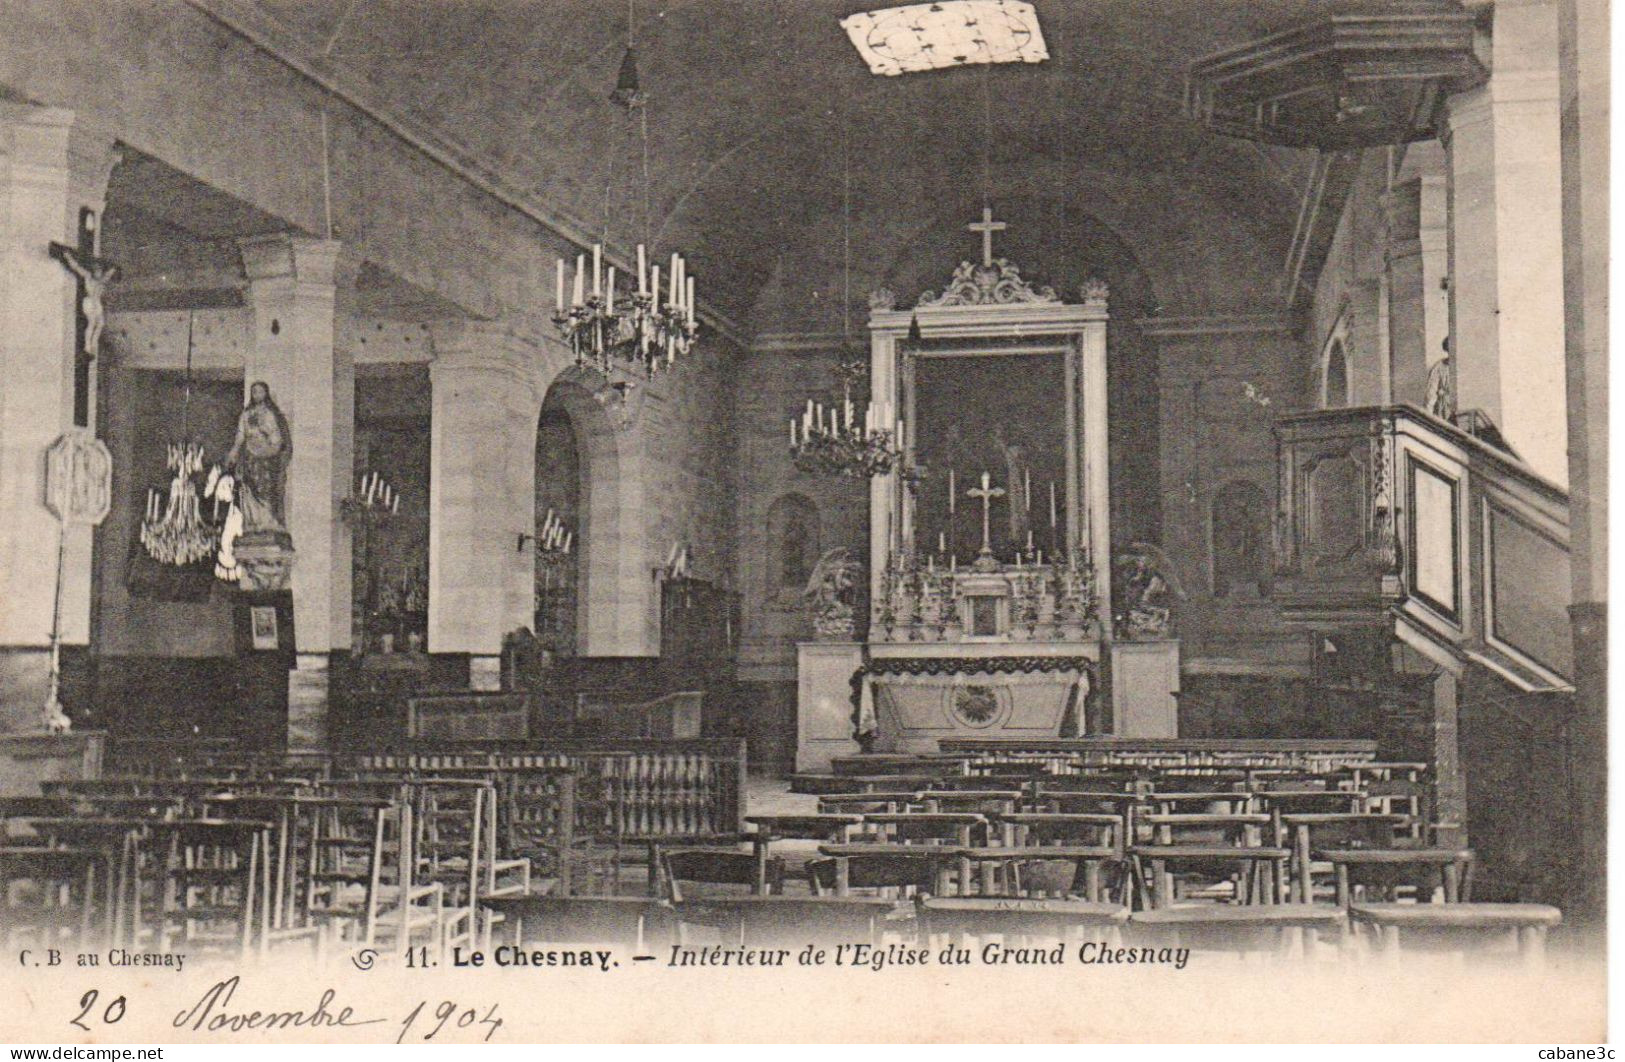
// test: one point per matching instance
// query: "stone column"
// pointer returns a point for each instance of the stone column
(51, 166)
(1506, 247)
(488, 383)
(1585, 141)
(292, 283)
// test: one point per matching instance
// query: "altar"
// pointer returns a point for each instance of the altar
(989, 564)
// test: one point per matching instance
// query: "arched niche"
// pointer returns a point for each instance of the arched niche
(614, 601)
(1238, 539)
(791, 546)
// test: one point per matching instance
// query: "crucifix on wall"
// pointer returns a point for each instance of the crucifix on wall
(92, 274)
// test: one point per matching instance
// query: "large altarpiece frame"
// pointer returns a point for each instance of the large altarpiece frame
(993, 376)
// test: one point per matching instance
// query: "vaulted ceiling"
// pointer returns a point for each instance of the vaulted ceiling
(792, 176)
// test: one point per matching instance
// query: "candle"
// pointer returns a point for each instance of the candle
(643, 273)
(690, 302)
(792, 431)
(1040, 557)
(942, 542)
(654, 283)
(1027, 489)
(986, 481)
(395, 504)
(672, 281)
(597, 269)
(953, 562)
(609, 286)
(581, 272)
(569, 536)
(951, 492)
(1029, 540)
(1052, 503)
(558, 298)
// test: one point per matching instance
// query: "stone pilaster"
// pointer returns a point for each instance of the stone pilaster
(1506, 247)
(51, 166)
(292, 283)
(488, 382)
(1584, 85)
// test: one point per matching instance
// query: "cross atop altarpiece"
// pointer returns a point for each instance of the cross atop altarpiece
(987, 227)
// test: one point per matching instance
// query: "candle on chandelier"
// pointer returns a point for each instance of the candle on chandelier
(597, 269)
(1052, 504)
(690, 303)
(792, 431)
(569, 536)
(395, 504)
(643, 272)
(951, 492)
(654, 283)
(674, 280)
(558, 297)
(609, 287)
(1027, 490)
(581, 273)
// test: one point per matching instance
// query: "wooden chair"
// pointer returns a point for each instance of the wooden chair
(639, 923)
(214, 885)
(1369, 875)
(866, 803)
(1331, 831)
(880, 869)
(1281, 930)
(57, 897)
(970, 801)
(715, 870)
(791, 921)
(832, 829)
(1057, 856)
(1221, 854)
(1458, 927)
(956, 919)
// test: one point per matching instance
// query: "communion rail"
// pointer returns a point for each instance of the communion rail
(1066, 755)
(628, 790)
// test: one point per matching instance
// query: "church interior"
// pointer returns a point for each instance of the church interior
(743, 466)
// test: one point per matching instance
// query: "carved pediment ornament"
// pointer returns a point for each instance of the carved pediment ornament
(997, 284)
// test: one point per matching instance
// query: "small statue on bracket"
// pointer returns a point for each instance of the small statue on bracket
(830, 594)
(1145, 586)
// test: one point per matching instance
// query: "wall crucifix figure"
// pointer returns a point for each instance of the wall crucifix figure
(93, 273)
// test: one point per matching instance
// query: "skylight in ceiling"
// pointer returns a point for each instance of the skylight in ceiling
(905, 40)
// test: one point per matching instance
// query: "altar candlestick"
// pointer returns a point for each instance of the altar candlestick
(643, 272)
(581, 272)
(558, 298)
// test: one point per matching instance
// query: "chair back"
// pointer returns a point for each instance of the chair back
(708, 871)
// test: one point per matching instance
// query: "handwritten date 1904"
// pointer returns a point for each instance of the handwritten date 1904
(443, 1014)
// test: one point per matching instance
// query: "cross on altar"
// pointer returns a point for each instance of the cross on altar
(987, 493)
(987, 227)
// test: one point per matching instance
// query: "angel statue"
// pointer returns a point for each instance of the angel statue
(222, 487)
(1145, 582)
(830, 592)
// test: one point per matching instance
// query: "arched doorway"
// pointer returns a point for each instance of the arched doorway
(594, 600)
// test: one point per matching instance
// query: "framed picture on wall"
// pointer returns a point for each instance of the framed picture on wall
(262, 626)
(264, 623)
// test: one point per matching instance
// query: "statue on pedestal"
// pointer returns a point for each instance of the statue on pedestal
(258, 463)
